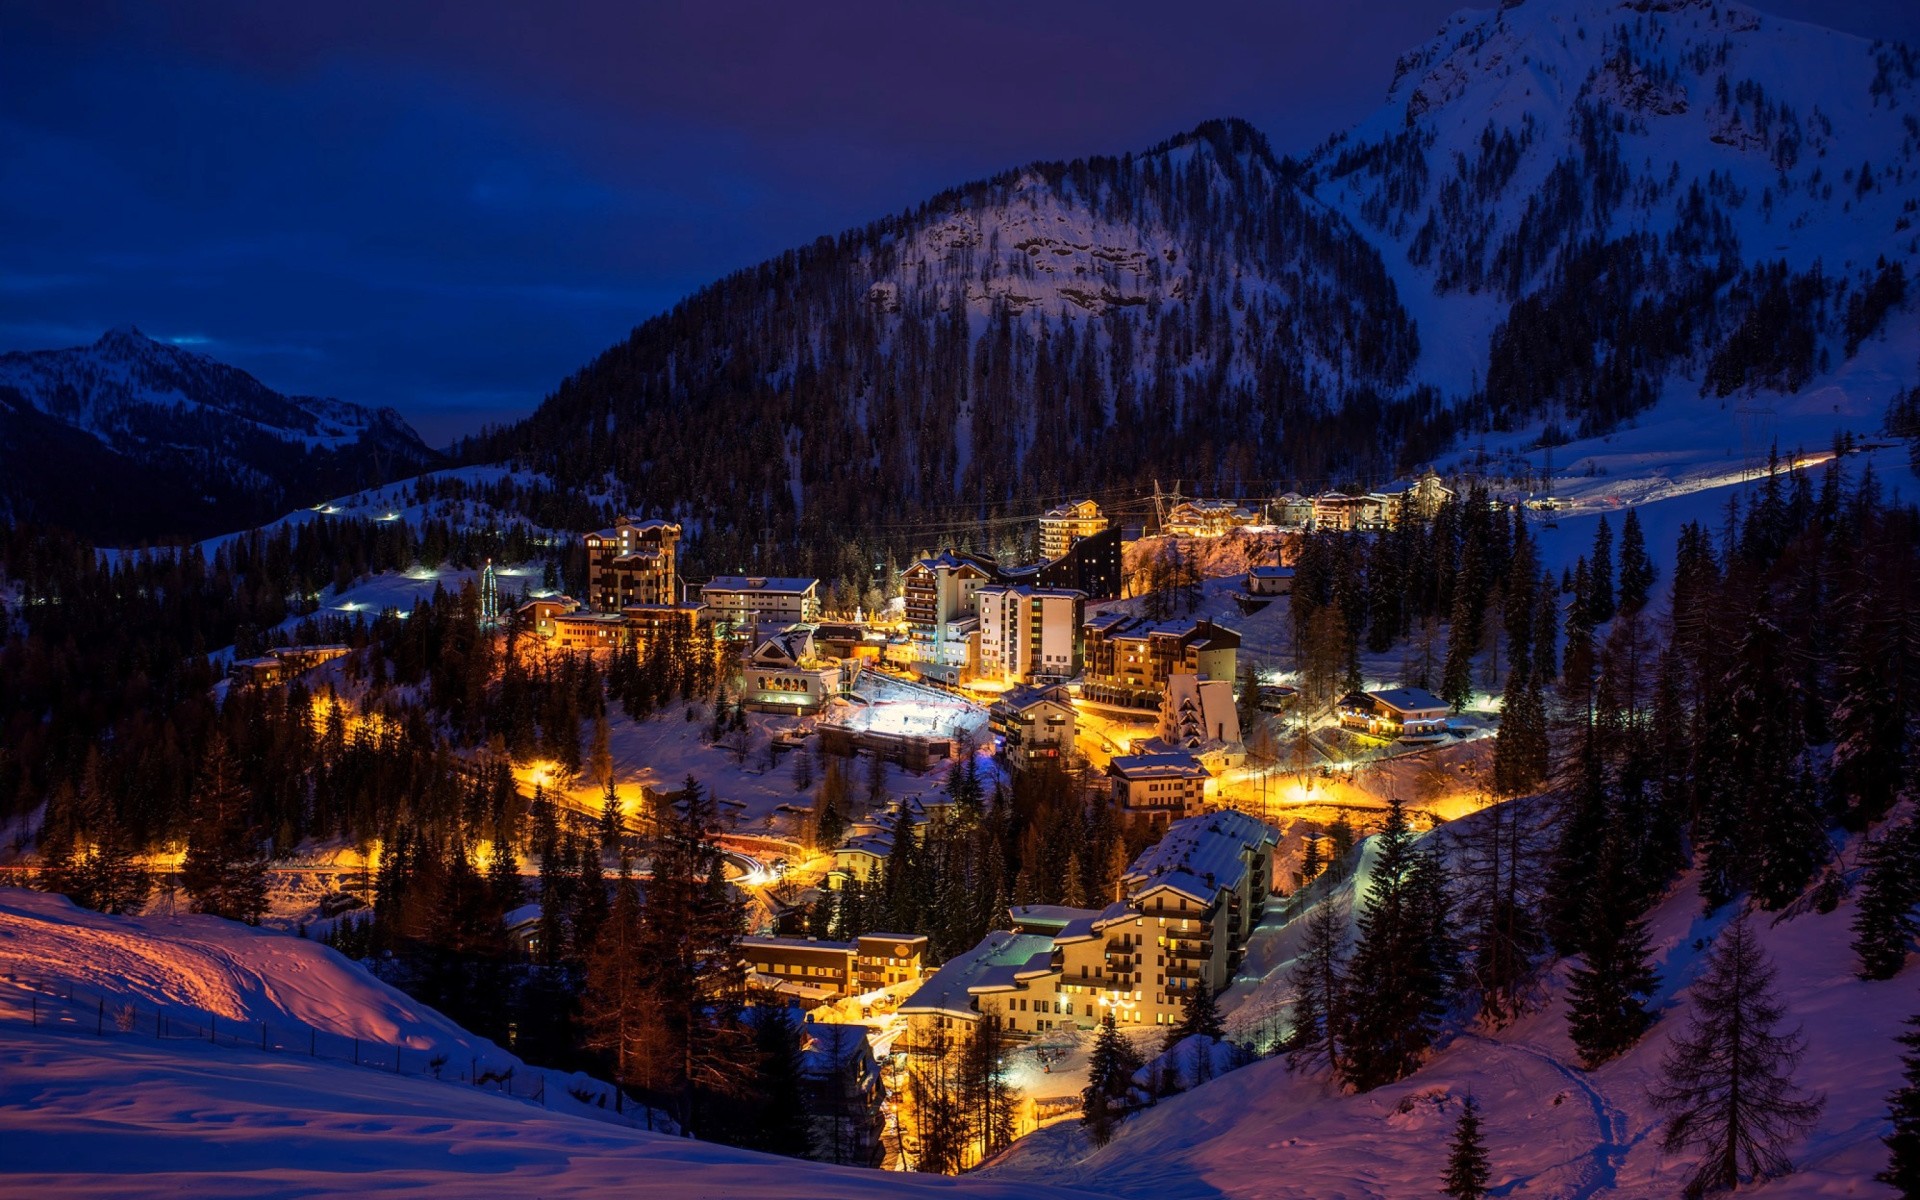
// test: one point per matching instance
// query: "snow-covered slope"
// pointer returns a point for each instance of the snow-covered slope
(212, 966)
(1639, 150)
(126, 1113)
(1552, 1130)
(122, 1117)
(186, 443)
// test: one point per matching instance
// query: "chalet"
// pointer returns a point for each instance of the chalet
(940, 588)
(745, 602)
(1406, 714)
(1157, 789)
(1035, 726)
(1269, 581)
(1208, 518)
(1198, 713)
(1290, 510)
(1061, 527)
(633, 562)
(782, 675)
(1341, 512)
(1411, 499)
(536, 616)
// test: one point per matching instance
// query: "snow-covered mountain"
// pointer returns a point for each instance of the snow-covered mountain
(131, 437)
(1581, 199)
(1564, 208)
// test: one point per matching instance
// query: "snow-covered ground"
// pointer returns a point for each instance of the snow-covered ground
(211, 966)
(120, 1117)
(1551, 1129)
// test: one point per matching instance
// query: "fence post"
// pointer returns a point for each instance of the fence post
(396, 1060)
(100, 1016)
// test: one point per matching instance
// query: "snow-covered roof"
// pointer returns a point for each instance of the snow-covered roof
(997, 956)
(1156, 766)
(1271, 572)
(1050, 917)
(1199, 856)
(1408, 699)
(791, 943)
(760, 583)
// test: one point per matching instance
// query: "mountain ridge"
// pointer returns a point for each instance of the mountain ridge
(1562, 212)
(133, 438)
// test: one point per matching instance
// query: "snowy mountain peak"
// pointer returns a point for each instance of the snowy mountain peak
(204, 444)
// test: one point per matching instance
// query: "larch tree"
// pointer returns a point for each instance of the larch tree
(1319, 983)
(1727, 1086)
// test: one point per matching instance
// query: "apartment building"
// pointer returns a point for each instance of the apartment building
(634, 562)
(1028, 634)
(1061, 527)
(1128, 659)
(1157, 789)
(809, 968)
(1191, 901)
(746, 602)
(1035, 726)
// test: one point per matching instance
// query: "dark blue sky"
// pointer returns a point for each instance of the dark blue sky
(446, 207)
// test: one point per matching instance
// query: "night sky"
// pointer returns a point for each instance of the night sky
(446, 207)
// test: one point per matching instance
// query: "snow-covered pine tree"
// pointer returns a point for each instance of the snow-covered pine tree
(1319, 985)
(1903, 1107)
(1728, 1080)
(1790, 836)
(1884, 924)
(1468, 1170)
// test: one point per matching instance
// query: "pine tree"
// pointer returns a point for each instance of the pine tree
(1401, 977)
(1598, 597)
(986, 1099)
(1199, 1016)
(1608, 991)
(1463, 636)
(779, 1097)
(1728, 1086)
(1885, 925)
(1903, 1144)
(1637, 571)
(1311, 864)
(1104, 1101)
(1319, 985)
(1790, 833)
(224, 871)
(1467, 1167)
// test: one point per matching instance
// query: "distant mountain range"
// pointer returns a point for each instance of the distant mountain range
(132, 439)
(1564, 210)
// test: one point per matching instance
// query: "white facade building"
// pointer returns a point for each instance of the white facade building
(1029, 635)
